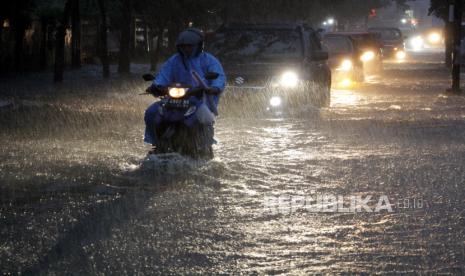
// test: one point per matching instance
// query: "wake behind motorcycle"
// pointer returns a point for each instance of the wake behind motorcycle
(184, 123)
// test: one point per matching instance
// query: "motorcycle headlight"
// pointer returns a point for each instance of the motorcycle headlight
(177, 92)
(346, 65)
(289, 79)
(367, 56)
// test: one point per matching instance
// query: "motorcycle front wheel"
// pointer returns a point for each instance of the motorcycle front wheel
(195, 142)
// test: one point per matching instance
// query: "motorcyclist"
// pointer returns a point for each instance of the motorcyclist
(179, 68)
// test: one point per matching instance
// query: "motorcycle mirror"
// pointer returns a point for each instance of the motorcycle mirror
(211, 75)
(148, 77)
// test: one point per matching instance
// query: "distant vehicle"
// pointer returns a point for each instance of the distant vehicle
(344, 59)
(392, 42)
(283, 64)
(369, 48)
(432, 38)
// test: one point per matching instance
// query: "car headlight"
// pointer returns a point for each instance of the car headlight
(416, 42)
(275, 101)
(346, 83)
(177, 92)
(434, 38)
(346, 65)
(367, 56)
(400, 55)
(289, 79)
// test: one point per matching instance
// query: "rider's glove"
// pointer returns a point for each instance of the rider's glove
(156, 90)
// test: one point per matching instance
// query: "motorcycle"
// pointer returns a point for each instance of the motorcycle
(184, 124)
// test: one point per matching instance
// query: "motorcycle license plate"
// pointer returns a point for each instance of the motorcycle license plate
(178, 103)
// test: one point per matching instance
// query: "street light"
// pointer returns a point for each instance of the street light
(330, 21)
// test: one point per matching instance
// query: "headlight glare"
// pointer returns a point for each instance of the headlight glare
(346, 83)
(400, 55)
(346, 65)
(416, 43)
(275, 101)
(367, 56)
(289, 79)
(434, 38)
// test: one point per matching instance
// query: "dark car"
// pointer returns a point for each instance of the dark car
(393, 42)
(370, 50)
(344, 59)
(283, 64)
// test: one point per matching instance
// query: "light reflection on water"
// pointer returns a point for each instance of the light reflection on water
(341, 98)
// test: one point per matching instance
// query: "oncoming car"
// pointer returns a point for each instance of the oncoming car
(432, 38)
(393, 42)
(282, 65)
(370, 51)
(344, 59)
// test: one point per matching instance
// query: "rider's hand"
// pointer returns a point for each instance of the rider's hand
(196, 91)
(156, 90)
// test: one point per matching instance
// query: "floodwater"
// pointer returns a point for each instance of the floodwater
(78, 195)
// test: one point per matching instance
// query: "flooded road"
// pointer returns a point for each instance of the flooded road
(78, 197)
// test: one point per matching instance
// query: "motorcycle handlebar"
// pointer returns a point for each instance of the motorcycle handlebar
(159, 91)
(195, 91)
(200, 91)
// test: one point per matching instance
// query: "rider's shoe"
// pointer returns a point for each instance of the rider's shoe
(153, 150)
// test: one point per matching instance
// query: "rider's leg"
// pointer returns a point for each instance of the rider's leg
(204, 115)
(149, 117)
(206, 118)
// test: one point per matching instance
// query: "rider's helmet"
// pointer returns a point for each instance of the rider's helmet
(191, 36)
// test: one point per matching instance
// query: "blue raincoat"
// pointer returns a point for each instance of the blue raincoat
(178, 69)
